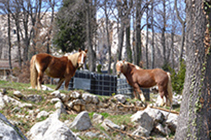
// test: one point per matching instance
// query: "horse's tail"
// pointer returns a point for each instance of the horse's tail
(33, 72)
(170, 92)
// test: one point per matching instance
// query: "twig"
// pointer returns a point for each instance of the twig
(167, 110)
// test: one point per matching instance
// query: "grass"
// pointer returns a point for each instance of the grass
(26, 122)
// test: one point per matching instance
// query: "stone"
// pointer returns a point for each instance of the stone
(18, 94)
(89, 98)
(34, 98)
(51, 129)
(121, 98)
(75, 95)
(8, 131)
(81, 122)
(56, 94)
(42, 114)
(106, 123)
(97, 118)
(144, 120)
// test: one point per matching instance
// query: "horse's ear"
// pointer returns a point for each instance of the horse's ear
(86, 51)
(79, 50)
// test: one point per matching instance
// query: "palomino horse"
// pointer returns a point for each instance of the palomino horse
(138, 77)
(63, 67)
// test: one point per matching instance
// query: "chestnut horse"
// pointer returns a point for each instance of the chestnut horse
(146, 78)
(63, 67)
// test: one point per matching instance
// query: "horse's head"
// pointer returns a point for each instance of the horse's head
(81, 58)
(120, 67)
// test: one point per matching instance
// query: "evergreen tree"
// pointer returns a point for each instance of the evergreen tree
(69, 26)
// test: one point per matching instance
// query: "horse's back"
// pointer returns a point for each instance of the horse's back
(160, 76)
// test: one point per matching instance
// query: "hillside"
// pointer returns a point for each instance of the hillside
(113, 117)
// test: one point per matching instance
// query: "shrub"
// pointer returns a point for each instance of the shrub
(178, 79)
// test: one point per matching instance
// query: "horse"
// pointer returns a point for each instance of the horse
(147, 78)
(57, 67)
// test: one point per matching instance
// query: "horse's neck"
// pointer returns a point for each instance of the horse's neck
(74, 59)
(129, 68)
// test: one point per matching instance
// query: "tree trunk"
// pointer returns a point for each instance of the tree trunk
(9, 37)
(153, 36)
(147, 37)
(194, 121)
(108, 38)
(137, 49)
(18, 40)
(91, 53)
(51, 27)
(183, 33)
(128, 46)
(163, 42)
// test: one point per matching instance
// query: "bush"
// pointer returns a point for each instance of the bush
(178, 79)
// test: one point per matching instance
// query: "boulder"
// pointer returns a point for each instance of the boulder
(140, 131)
(56, 94)
(121, 98)
(42, 114)
(106, 123)
(33, 98)
(89, 98)
(81, 122)
(144, 120)
(18, 94)
(97, 118)
(51, 129)
(8, 131)
(75, 95)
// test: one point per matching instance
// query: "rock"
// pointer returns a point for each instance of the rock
(2, 102)
(42, 114)
(121, 98)
(81, 122)
(44, 88)
(26, 105)
(171, 122)
(90, 134)
(56, 94)
(144, 120)
(34, 98)
(18, 94)
(161, 130)
(141, 132)
(55, 100)
(89, 98)
(75, 95)
(77, 105)
(64, 97)
(109, 123)
(59, 105)
(8, 131)
(90, 107)
(51, 129)
(97, 118)
(156, 114)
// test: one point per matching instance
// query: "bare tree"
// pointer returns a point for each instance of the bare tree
(91, 53)
(183, 22)
(194, 121)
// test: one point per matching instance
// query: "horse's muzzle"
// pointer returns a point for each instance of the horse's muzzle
(118, 74)
(80, 65)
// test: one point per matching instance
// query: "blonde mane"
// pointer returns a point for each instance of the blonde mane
(125, 64)
(74, 58)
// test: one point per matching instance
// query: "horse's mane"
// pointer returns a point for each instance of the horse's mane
(74, 58)
(137, 67)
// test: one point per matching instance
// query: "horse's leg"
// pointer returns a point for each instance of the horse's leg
(162, 94)
(39, 80)
(67, 81)
(61, 80)
(137, 88)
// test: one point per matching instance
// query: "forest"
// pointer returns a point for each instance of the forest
(74, 24)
